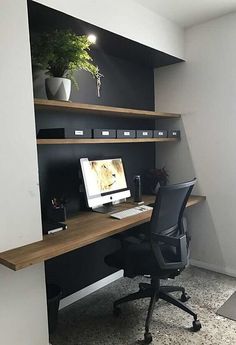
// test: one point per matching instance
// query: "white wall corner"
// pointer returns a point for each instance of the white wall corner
(212, 267)
(202, 89)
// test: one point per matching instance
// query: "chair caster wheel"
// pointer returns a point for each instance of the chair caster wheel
(116, 311)
(147, 338)
(184, 297)
(196, 325)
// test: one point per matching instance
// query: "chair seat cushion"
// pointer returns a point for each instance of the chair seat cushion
(138, 259)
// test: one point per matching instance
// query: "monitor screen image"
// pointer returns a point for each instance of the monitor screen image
(103, 178)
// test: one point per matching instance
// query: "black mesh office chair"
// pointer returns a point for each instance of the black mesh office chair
(161, 254)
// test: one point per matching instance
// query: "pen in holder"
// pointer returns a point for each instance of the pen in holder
(57, 211)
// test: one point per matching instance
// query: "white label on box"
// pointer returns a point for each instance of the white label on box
(79, 132)
(145, 133)
(127, 133)
(105, 132)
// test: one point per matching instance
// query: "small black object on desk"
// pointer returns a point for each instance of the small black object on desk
(51, 227)
(137, 189)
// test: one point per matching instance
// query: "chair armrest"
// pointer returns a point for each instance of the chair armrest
(180, 242)
(184, 230)
(171, 240)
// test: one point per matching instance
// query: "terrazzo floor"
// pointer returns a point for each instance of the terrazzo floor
(90, 321)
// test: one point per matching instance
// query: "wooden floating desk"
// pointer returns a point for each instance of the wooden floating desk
(86, 228)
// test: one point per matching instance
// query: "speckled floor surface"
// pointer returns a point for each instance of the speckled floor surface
(90, 321)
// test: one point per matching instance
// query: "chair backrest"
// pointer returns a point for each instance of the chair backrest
(166, 227)
(169, 207)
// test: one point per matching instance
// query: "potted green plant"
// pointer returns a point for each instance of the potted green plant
(60, 53)
(153, 179)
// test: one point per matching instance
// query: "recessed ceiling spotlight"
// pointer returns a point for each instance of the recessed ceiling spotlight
(92, 38)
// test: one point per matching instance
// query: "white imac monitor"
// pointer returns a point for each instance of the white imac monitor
(104, 182)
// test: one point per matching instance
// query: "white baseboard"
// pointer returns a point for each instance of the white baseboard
(214, 268)
(90, 289)
(117, 275)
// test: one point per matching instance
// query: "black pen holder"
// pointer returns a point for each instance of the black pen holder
(57, 214)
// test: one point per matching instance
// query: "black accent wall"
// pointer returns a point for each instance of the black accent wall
(59, 164)
(126, 83)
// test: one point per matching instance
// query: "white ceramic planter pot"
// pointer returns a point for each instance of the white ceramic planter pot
(58, 88)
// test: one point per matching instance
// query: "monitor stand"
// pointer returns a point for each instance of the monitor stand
(106, 208)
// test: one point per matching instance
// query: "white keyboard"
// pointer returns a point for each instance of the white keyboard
(131, 212)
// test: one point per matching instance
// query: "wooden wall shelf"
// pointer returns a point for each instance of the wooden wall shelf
(102, 141)
(83, 230)
(101, 109)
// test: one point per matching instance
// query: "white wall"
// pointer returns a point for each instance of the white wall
(128, 19)
(204, 90)
(23, 318)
